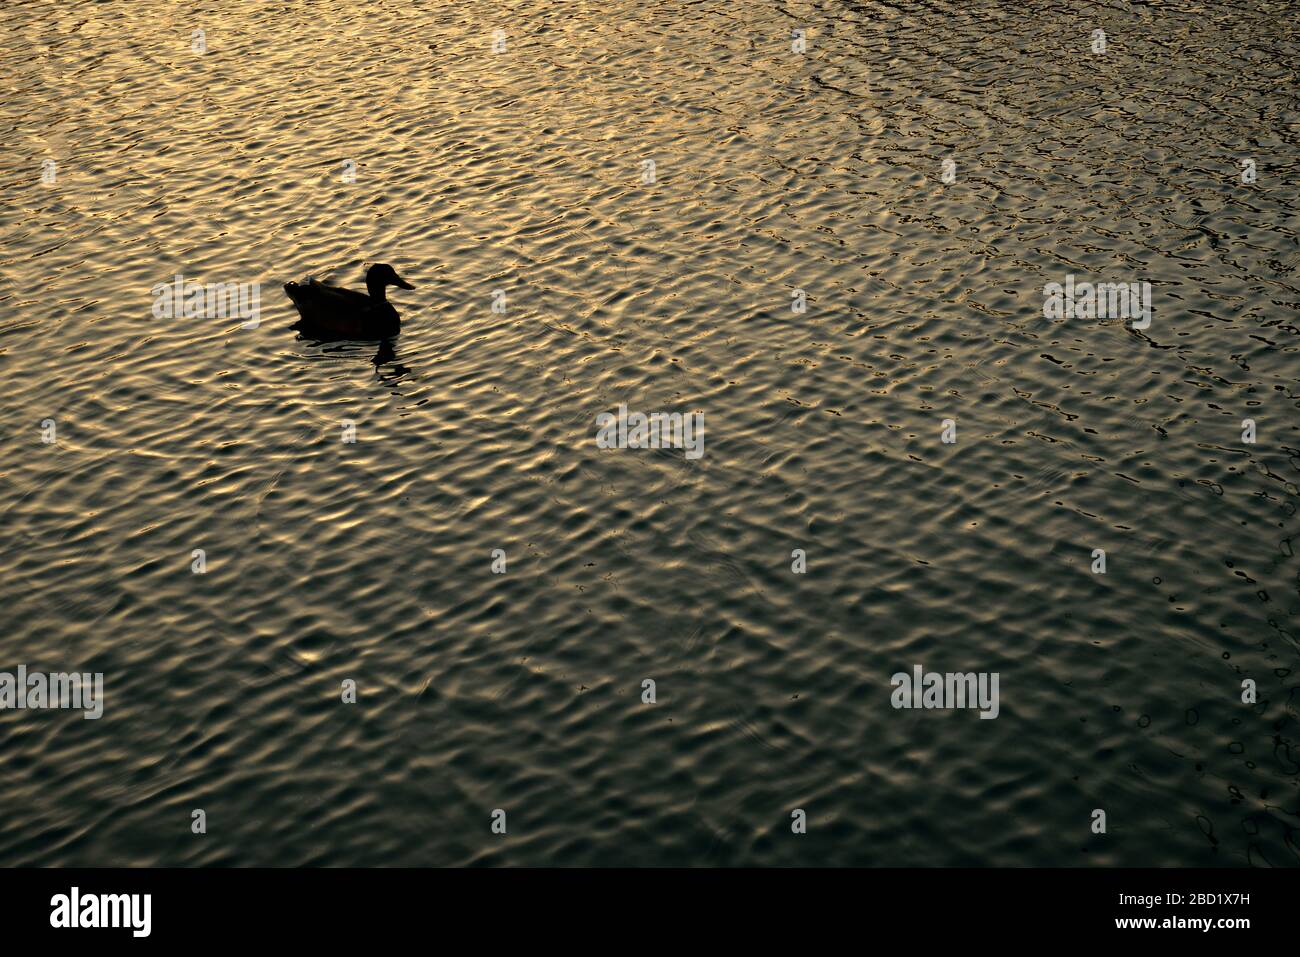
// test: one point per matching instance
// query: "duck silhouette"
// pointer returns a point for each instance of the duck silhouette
(332, 312)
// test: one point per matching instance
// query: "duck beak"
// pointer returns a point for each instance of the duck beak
(401, 283)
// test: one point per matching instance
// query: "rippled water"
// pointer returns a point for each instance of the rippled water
(774, 172)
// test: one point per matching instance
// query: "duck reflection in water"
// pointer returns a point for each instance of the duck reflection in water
(386, 356)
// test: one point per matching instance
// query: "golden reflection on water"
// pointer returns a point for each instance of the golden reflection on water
(523, 171)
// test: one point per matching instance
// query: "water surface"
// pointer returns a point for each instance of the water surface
(774, 172)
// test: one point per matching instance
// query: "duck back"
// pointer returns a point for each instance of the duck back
(333, 312)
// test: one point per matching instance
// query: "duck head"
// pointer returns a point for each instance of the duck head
(381, 275)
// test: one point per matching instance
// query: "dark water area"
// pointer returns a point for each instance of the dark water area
(918, 173)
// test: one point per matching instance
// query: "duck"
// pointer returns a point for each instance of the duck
(332, 312)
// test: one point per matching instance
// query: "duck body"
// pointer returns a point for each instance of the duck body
(332, 312)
